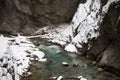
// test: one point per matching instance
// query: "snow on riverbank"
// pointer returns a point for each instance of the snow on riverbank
(16, 55)
(78, 78)
(84, 26)
(71, 48)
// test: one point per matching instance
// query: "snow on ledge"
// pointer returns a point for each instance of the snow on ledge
(71, 48)
(16, 55)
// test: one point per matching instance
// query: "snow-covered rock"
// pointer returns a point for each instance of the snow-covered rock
(65, 64)
(81, 78)
(71, 48)
(15, 57)
(60, 78)
(84, 26)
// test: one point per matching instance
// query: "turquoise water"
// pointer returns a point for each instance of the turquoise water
(56, 55)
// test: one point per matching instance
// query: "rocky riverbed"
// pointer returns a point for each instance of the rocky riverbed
(68, 65)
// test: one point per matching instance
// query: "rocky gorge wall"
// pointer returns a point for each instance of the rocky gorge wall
(106, 49)
(27, 16)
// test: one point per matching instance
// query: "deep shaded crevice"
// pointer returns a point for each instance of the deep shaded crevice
(99, 55)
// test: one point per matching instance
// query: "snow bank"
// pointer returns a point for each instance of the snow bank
(60, 78)
(71, 48)
(16, 55)
(84, 26)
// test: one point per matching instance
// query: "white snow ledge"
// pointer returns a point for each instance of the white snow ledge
(71, 48)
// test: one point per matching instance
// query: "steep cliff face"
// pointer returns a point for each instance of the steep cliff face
(106, 48)
(26, 16)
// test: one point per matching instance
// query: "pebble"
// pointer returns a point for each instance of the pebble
(51, 78)
(75, 65)
(94, 63)
(81, 78)
(65, 64)
(100, 69)
(60, 78)
(85, 66)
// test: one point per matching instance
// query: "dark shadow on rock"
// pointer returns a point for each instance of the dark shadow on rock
(106, 49)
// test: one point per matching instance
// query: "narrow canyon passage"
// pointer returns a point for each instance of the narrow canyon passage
(59, 39)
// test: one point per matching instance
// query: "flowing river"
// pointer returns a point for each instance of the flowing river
(77, 65)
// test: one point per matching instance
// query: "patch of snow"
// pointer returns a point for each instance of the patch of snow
(15, 57)
(53, 78)
(60, 78)
(21, 39)
(43, 60)
(64, 63)
(106, 7)
(3, 41)
(81, 78)
(58, 42)
(71, 48)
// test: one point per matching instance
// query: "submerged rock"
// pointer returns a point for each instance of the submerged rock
(75, 65)
(100, 69)
(94, 63)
